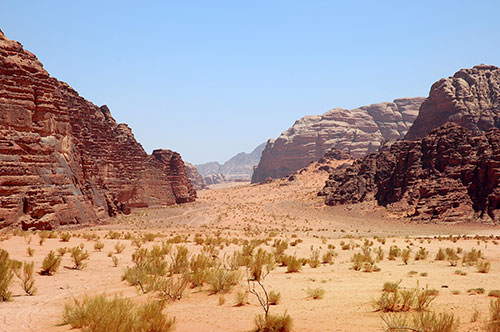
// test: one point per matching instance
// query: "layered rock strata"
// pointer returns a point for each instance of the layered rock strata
(63, 160)
(358, 131)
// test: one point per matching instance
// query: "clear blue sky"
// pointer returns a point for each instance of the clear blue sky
(210, 79)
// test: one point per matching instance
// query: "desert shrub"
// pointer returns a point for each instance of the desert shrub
(274, 297)
(147, 263)
(421, 254)
(273, 323)
(62, 251)
(221, 300)
(98, 246)
(364, 261)
(314, 261)
(279, 248)
(180, 260)
(260, 264)
(494, 293)
(460, 272)
(6, 275)
(391, 287)
(222, 280)
(327, 257)
(475, 291)
(405, 255)
(394, 252)
(472, 257)
(493, 325)
(475, 315)
(316, 293)
(98, 314)
(241, 298)
(293, 264)
(422, 322)
(380, 254)
(65, 237)
(26, 274)
(483, 266)
(79, 256)
(440, 255)
(423, 298)
(115, 260)
(113, 235)
(119, 247)
(30, 251)
(199, 266)
(170, 288)
(50, 264)
(452, 256)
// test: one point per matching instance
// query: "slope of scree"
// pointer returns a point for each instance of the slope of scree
(358, 131)
(64, 160)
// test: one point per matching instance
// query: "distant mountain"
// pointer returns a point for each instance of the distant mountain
(239, 167)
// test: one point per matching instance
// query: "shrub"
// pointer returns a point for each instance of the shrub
(25, 272)
(394, 252)
(6, 275)
(98, 314)
(483, 266)
(452, 256)
(180, 260)
(472, 257)
(65, 237)
(50, 264)
(293, 264)
(273, 323)
(327, 257)
(171, 288)
(391, 287)
(441, 255)
(421, 254)
(475, 291)
(222, 280)
(422, 321)
(405, 255)
(199, 269)
(274, 297)
(316, 293)
(395, 299)
(241, 298)
(260, 265)
(119, 247)
(98, 246)
(314, 261)
(494, 293)
(380, 253)
(493, 325)
(222, 300)
(30, 251)
(364, 261)
(79, 256)
(62, 251)
(115, 260)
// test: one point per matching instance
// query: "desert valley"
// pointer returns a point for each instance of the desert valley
(384, 217)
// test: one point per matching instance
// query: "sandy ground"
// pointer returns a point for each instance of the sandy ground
(283, 209)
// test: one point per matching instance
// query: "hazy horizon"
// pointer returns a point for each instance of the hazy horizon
(212, 79)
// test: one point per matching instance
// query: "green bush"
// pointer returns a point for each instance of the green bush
(6, 275)
(79, 256)
(50, 264)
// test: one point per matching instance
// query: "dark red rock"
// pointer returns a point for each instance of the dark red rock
(63, 160)
(451, 175)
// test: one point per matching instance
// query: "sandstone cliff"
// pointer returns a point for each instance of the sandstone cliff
(195, 177)
(64, 160)
(358, 131)
(448, 167)
(471, 98)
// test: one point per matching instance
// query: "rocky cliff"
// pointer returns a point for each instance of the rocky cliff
(195, 177)
(64, 160)
(239, 167)
(358, 131)
(470, 98)
(452, 173)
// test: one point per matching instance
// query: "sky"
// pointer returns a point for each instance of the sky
(213, 78)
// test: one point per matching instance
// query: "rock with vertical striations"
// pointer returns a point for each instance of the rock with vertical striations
(195, 177)
(63, 160)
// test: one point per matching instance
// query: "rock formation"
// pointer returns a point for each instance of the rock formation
(195, 177)
(238, 168)
(64, 160)
(471, 98)
(451, 175)
(448, 167)
(358, 131)
(214, 179)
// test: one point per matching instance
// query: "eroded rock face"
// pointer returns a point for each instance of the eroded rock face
(214, 179)
(195, 177)
(451, 175)
(358, 131)
(471, 98)
(63, 160)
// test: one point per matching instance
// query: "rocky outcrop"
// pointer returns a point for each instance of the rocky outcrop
(214, 179)
(195, 177)
(451, 175)
(63, 160)
(471, 98)
(238, 168)
(358, 131)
